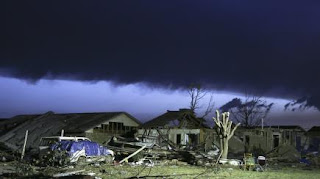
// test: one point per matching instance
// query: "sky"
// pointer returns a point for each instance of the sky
(139, 56)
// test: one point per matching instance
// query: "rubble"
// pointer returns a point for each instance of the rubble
(233, 162)
(90, 159)
(284, 153)
(144, 161)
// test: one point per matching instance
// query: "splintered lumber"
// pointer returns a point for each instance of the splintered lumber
(133, 154)
(24, 145)
(68, 173)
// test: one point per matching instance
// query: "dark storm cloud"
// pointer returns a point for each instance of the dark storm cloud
(249, 102)
(235, 102)
(271, 47)
(303, 103)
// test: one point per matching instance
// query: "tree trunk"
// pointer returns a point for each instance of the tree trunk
(225, 149)
(221, 143)
(225, 132)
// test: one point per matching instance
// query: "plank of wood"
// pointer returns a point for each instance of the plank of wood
(133, 154)
(68, 173)
(24, 145)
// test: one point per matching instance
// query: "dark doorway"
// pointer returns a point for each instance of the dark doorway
(276, 140)
(193, 139)
(247, 140)
(247, 143)
(178, 138)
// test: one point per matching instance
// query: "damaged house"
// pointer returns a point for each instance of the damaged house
(176, 128)
(182, 129)
(99, 127)
(313, 135)
(271, 137)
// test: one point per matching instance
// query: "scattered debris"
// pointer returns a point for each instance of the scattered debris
(144, 161)
(233, 162)
(68, 156)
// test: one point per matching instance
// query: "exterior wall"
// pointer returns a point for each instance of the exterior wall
(184, 135)
(210, 138)
(257, 139)
(269, 138)
(127, 124)
(312, 140)
(171, 134)
(101, 133)
(124, 119)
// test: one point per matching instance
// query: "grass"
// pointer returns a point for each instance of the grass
(172, 171)
(164, 170)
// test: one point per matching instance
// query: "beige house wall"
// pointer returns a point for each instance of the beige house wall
(265, 138)
(127, 121)
(172, 134)
(100, 136)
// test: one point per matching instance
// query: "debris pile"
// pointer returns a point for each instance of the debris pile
(284, 153)
(67, 157)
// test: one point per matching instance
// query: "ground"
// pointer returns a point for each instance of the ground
(165, 170)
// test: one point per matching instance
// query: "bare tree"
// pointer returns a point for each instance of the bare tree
(249, 112)
(197, 93)
(225, 132)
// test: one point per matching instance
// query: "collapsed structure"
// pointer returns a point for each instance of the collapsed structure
(174, 129)
(97, 126)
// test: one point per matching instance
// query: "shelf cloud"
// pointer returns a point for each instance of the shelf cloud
(270, 48)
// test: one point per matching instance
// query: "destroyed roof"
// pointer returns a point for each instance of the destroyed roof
(50, 124)
(314, 131)
(18, 119)
(3, 119)
(9, 124)
(182, 118)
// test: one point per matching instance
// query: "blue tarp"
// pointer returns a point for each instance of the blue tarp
(91, 148)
